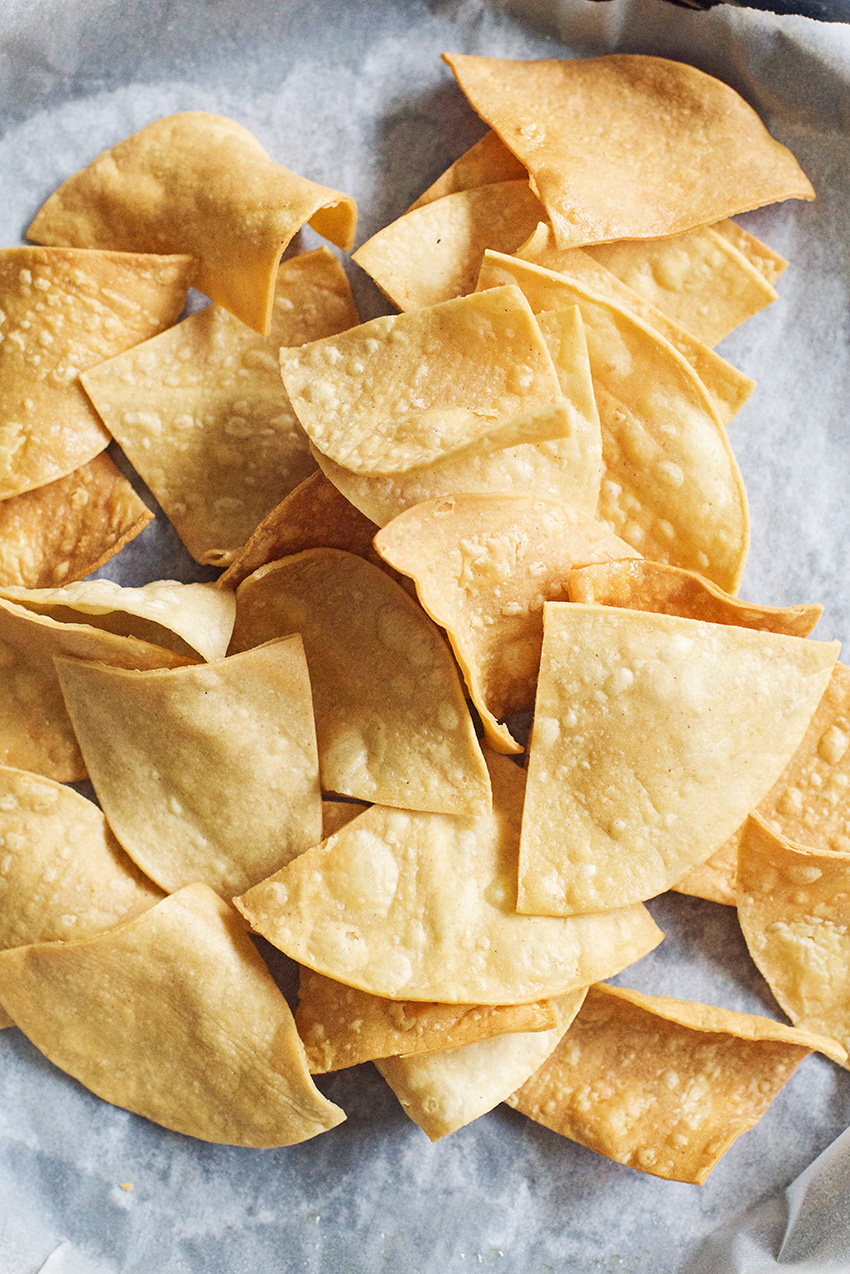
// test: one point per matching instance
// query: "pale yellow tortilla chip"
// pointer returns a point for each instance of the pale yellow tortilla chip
(205, 773)
(653, 737)
(174, 1016)
(672, 488)
(665, 1086)
(336, 814)
(409, 390)
(767, 261)
(483, 566)
(68, 528)
(201, 412)
(418, 906)
(629, 146)
(201, 184)
(432, 253)
(489, 160)
(794, 909)
(341, 1026)
(443, 1091)
(64, 311)
(391, 718)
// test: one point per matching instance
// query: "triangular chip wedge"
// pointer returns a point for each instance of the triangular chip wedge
(483, 566)
(391, 717)
(629, 146)
(419, 906)
(488, 161)
(794, 909)
(653, 737)
(68, 528)
(409, 390)
(174, 1016)
(205, 773)
(769, 263)
(443, 1091)
(201, 184)
(35, 730)
(341, 1026)
(190, 619)
(665, 1086)
(432, 253)
(672, 488)
(201, 413)
(64, 311)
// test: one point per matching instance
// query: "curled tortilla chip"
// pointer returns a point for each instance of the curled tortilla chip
(416, 906)
(68, 528)
(341, 1026)
(629, 146)
(624, 795)
(489, 160)
(201, 184)
(665, 1086)
(201, 413)
(483, 566)
(207, 772)
(174, 1016)
(64, 311)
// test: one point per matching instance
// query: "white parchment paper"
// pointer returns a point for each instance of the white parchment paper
(354, 95)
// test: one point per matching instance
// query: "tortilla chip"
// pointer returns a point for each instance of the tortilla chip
(343, 1027)
(483, 566)
(201, 413)
(669, 590)
(68, 528)
(768, 262)
(416, 906)
(201, 184)
(672, 488)
(714, 879)
(35, 730)
(207, 772)
(432, 253)
(174, 1016)
(794, 909)
(489, 160)
(190, 619)
(444, 1091)
(391, 718)
(64, 311)
(337, 814)
(624, 795)
(628, 146)
(662, 1085)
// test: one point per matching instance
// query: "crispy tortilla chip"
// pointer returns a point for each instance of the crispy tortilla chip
(174, 1016)
(201, 184)
(341, 1026)
(202, 414)
(337, 814)
(432, 253)
(672, 488)
(419, 906)
(67, 529)
(765, 259)
(625, 791)
(190, 619)
(628, 146)
(483, 566)
(669, 590)
(64, 311)
(489, 160)
(207, 772)
(663, 1085)
(444, 1091)
(794, 909)
(391, 718)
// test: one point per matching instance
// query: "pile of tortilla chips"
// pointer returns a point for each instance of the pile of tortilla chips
(514, 499)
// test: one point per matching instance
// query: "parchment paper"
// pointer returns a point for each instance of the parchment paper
(354, 96)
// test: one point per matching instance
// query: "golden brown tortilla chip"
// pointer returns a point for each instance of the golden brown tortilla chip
(64, 311)
(489, 160)
(174, 1016)
(662, 1085)
(628, 146)
(391, 718)
(207, 772)
(202, 414)
(201, 184)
